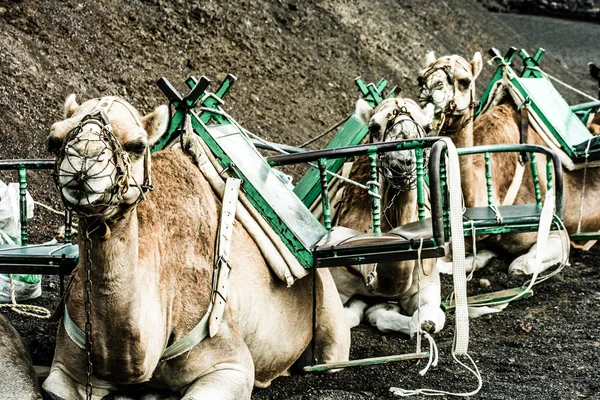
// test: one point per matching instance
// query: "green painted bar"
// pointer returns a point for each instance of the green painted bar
(365, 362)
(584, 236)
(499, 296)
(536, 179)
(175, 125)
(420, 183)
(590, 106)
(23, 205)
(374, 191)
(548, 174)
(488, 179)
(325, 194)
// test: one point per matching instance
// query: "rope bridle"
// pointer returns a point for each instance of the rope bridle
(402, 178)
(452, 119)
(120, 160)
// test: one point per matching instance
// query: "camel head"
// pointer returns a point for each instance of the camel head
(103, 154)
(447, 86)
(395, 119)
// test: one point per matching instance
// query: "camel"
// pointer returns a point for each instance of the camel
(393, 119)
(18, 379)
(146, 260)
(448, 90)
(594, 125)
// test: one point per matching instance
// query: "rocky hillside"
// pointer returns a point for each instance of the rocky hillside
(295, 60)
(581, 9)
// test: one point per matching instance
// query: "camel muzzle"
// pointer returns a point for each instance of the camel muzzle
(92, 169)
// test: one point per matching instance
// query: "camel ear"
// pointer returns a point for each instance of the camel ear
(430, 59)
(70, 106)
(594, 71)
(156, 123)
(363, 112)
(476, 64)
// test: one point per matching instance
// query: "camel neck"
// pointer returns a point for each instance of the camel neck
(400, 207)
(113, 253)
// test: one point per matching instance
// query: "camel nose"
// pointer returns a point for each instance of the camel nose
(87, 144)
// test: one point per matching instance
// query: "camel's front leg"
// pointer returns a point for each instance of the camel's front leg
(387, 317)
(556, 252)
(483, 257)
(61, 386)
(226, 382)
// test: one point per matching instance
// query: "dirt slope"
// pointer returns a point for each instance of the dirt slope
(295, 60)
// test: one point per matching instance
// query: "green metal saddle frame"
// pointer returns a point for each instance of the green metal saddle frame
(25, 258)
(285, 209)
(561, 120)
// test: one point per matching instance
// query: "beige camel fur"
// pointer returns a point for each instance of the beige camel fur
(17, 377)
(398, 280)
(498, 125)
(151, 273)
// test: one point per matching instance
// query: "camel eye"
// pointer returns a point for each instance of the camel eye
(54, 144)
(136, 147)
(464, 83)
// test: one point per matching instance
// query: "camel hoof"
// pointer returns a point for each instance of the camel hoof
(428, 326)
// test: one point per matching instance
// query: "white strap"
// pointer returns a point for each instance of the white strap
(513, 189)
(222, 268)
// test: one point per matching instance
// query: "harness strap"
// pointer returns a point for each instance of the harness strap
(76, 334)
(222, 267)
(189, 341)
(513, 189)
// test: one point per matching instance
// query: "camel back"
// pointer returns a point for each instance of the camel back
(283, 207)
(549, 114)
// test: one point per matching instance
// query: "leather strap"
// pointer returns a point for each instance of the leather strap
(222, 267)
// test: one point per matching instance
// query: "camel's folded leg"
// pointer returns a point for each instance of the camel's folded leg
(425, 304)
(333, 332)
(355, 311)
(60, 386)
(333, 335)
(555, 252)
(483, 257)
(225, 382)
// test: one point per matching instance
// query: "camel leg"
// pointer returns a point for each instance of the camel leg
(333, 335)
(228, 382)
(554, 253)
(333, 332)
(482, 258)
(60, 386)
(355, 312)
(386, 317)
(429, 296)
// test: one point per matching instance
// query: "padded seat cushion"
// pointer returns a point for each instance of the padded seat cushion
(421, 229)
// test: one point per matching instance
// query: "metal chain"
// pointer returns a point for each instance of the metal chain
(88, 316)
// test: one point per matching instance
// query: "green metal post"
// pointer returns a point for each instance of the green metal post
(488, 178)
(445, 211)
(374, 191)
(536, 180)
(420, 183)
(325, 193)
(549, 174)
(23, 204)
